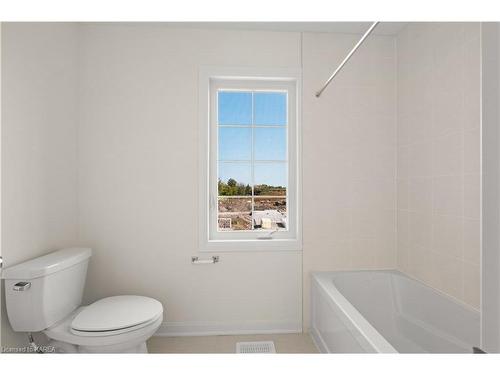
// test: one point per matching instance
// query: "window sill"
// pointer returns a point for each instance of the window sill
(292, 245)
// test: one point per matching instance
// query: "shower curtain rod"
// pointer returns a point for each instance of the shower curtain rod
(318, 94)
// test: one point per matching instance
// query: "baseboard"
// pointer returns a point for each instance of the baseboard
(223, 328)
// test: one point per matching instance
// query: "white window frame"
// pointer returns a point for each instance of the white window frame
(212, 79)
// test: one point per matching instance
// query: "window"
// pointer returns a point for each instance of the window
(251, 196)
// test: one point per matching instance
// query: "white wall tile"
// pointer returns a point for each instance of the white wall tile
(386, 257)
(448, 274)
(420, 263)
(420, 123)
(364, 254)
(472, 281)
(447, 237)
(438, 160)
(403, 227)
(420, 229)
(420, 159)
(448, 195)
(402, 194)
(447, 154)
(472, 192)
(472, 154)
(403, 254)
(447, 111)
(403, 124)
(349, 149)
(472, 241)
(420, 194)
(402, 170)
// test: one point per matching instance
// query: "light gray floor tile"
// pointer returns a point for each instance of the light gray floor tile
(284, 343)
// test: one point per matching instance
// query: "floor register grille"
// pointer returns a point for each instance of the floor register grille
(255, 347)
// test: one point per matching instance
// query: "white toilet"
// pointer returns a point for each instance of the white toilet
(45, 293)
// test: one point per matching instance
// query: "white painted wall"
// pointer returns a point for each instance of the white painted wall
(39, 148)
(138, 171)
(138, 159)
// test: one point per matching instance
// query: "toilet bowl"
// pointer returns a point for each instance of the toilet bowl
(45, 294)
(119, 324)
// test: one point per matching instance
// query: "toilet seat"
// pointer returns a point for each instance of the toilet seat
(116, 315)
(64, 332)
(113, 332)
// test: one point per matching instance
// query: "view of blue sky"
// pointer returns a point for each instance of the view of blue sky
(235, 108)
(235, 142)
(270, 174)
(270, 108)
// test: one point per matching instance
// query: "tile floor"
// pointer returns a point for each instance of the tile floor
(284, 343)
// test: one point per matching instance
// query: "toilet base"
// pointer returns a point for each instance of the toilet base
(65, 341)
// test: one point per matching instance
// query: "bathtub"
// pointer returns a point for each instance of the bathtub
(387, 312)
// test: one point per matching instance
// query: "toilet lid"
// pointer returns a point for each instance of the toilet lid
(115, 313)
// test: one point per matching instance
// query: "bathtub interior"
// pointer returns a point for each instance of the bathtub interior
(410, 316)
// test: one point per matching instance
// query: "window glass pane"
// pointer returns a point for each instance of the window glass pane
(270, 143)
(269, 213)
(270, 179)
(270, 108)
(234, 179)
(234, 108)
(234, 214)
(235, 144)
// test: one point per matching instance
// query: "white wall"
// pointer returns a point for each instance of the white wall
(439, 156)
(39, 148)
(138, 174)
(138, 178)
(138, 149)
(349, 156)
(135, 88)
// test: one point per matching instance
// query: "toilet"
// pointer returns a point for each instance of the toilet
(45, 294)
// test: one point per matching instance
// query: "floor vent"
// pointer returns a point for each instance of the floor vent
(255, 347)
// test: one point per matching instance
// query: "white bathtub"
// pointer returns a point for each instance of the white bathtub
(387, 312)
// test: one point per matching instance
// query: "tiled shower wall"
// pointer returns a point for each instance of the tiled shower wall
(349, 156)
(438, 157)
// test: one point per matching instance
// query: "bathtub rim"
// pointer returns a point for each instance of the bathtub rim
(398, 273)
(324, 279)
(352, 315)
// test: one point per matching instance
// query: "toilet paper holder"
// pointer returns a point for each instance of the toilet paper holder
(212, 260)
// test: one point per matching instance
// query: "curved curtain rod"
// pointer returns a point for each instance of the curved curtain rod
(368, 32)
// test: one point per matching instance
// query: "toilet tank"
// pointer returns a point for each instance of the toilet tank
(42, 291)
